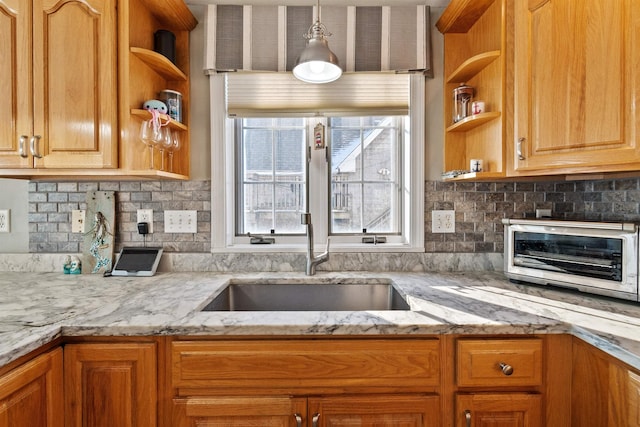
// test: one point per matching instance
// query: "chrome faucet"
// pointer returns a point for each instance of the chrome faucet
(312, 260)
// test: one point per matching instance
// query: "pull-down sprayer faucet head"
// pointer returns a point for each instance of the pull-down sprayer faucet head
(312, 260)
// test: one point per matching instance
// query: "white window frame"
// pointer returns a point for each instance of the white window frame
(223, 238)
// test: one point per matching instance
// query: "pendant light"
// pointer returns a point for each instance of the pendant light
(316, 63)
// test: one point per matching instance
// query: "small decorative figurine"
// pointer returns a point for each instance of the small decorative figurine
(155, 105)
(66, 267)
(76, 266)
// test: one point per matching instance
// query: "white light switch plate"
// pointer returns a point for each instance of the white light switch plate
(180, 221)
(5, 220)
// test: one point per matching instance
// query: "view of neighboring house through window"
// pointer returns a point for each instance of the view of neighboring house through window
(365, 172)
(271, 181)
(364, 181)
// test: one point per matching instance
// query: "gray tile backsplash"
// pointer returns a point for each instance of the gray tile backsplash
(479, 207)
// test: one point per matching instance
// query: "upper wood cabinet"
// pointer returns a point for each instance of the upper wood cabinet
(577, 86)
(31, 395)
(143, 73)
(475, 54)
(59, 85)
(75, 74)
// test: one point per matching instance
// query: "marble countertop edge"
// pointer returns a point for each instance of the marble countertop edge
(36, 308)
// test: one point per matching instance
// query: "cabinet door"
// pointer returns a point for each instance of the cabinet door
(110, 385)
(239, 412)
(499, 410)
(634, 400)
(375, 411)
(75, 84)
(577, 85)
(623, 403)
(15, 82)
(31, 395)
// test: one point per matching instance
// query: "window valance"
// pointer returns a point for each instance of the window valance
(365, 38)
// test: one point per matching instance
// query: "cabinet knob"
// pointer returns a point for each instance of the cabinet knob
(22, 149)
(506, 368)
(519, 148)
(315, 419)
(33, 146)
(298, 420)
(467, 417)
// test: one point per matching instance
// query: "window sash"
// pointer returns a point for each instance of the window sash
(275, 206)
(341, 204)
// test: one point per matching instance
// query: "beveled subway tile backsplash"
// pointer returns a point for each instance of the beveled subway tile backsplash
(479, 208)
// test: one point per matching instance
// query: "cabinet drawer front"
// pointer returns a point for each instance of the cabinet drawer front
(294, 365)
(484, 362)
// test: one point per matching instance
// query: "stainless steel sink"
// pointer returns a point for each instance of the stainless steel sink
(308, 297)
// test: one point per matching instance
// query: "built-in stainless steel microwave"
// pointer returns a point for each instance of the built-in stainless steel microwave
(595, 257)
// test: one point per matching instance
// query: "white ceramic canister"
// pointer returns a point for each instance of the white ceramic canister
(477, 107)
(475, 165)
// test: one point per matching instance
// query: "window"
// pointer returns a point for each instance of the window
(364, 188)
(366, 168)
(266, 171)
(270, 185)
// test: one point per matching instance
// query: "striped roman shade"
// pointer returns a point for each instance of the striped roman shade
(365, 38)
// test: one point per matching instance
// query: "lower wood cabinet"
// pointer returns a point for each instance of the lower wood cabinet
(633, 390)
(499, 382)
(239, 411)
(374, 411)
(605, 392)
(110, 384)
(306, 382)
(31, 395)
(451, 380)
(499, 410)
(319, 411)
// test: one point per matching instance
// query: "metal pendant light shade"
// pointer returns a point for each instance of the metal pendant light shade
(316, 63)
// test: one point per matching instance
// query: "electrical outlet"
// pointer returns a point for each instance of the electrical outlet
(543, 213)
(5, 220)
(77, 220)
(146, 215)
(180, 221)
(443, 221)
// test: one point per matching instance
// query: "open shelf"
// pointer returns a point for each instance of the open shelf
(475, 176)
(473, 121)
(461, 16)
(473, 66)
(145, 115)
(159, 63)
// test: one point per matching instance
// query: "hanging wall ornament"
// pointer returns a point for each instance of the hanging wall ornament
(98, 242)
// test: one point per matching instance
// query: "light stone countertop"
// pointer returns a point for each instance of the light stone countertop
(36, 308)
